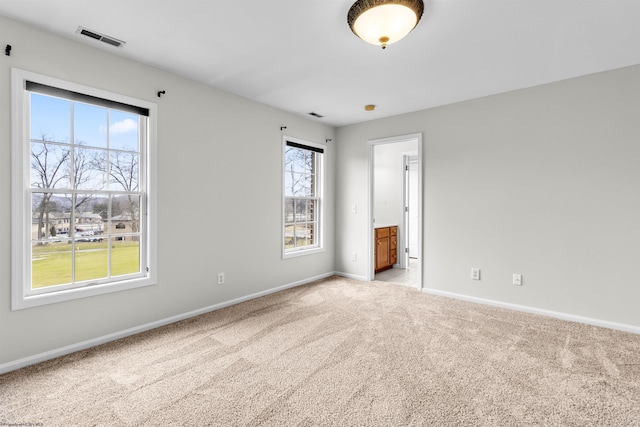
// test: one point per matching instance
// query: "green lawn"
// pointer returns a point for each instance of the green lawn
(51, 263)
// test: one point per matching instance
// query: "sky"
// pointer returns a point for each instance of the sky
(92, 125)
(96, 128)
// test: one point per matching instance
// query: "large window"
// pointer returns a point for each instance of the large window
(82, 191)
(302, 224)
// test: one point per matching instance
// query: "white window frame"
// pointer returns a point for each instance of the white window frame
(22, 295)
(320, 160)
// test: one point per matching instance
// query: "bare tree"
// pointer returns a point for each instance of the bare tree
(48, 170)
(51, 165)
(83, 171)
(123, 172)
(297, 161)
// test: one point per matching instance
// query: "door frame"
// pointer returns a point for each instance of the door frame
(371, 146)
(409, 160)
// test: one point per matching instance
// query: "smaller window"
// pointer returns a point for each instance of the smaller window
(302, 197)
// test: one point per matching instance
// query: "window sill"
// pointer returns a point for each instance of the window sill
(302, 252)
(21, 302)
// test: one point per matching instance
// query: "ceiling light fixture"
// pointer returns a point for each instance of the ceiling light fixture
(382, 22)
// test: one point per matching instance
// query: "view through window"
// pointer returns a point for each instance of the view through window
(87, 163)
(302, 196)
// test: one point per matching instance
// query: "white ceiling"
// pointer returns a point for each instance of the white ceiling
(300, 55)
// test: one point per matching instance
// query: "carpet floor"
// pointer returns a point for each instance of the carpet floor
(339, 352)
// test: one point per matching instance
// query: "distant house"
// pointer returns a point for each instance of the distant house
(61, 222)
(122, 224)
(89, 221)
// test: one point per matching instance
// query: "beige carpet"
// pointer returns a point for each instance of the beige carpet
(341, 353)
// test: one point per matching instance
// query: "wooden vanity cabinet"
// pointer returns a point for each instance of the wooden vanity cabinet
(386, 247)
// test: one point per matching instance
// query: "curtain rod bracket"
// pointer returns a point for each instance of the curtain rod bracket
(160, 93)
(282, 128)
(7, 50)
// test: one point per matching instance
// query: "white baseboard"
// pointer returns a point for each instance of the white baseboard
(540, 311)
(351, 276)
(62, 351)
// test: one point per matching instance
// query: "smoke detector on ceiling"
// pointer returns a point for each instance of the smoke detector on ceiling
(112, 41)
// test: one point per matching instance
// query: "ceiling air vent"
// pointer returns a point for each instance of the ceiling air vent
(316, 115)
(101, 37)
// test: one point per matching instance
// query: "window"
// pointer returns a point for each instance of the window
(83, 164)
(302, 197)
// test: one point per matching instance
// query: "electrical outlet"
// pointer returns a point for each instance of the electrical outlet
(517, 279)
(354, 256)
(475, 273)
(220, 278)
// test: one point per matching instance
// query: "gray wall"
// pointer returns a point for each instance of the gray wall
(219, 197)
(543, 182)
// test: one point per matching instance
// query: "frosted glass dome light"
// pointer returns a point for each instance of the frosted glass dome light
(383, 22)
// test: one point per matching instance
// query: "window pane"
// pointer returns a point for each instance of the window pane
(299, 185)
(125, 211)
(121, 224)
(48, 217)
(125, 256)
(123, 131)
(50, 264)
(50, 118)
(299, 160)
(289, 159)
(89, 169)
(49, 165)
(305, 210)
(303, 186)
(90, 125)
(303, 234)
(85, 219)
(90, 258)
(289, 204)
(288, 183)
(100, 206)
(289, 240)
(299, 172)
(50, 250)
(123, 171)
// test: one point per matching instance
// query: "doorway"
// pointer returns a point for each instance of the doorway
(395, 200)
